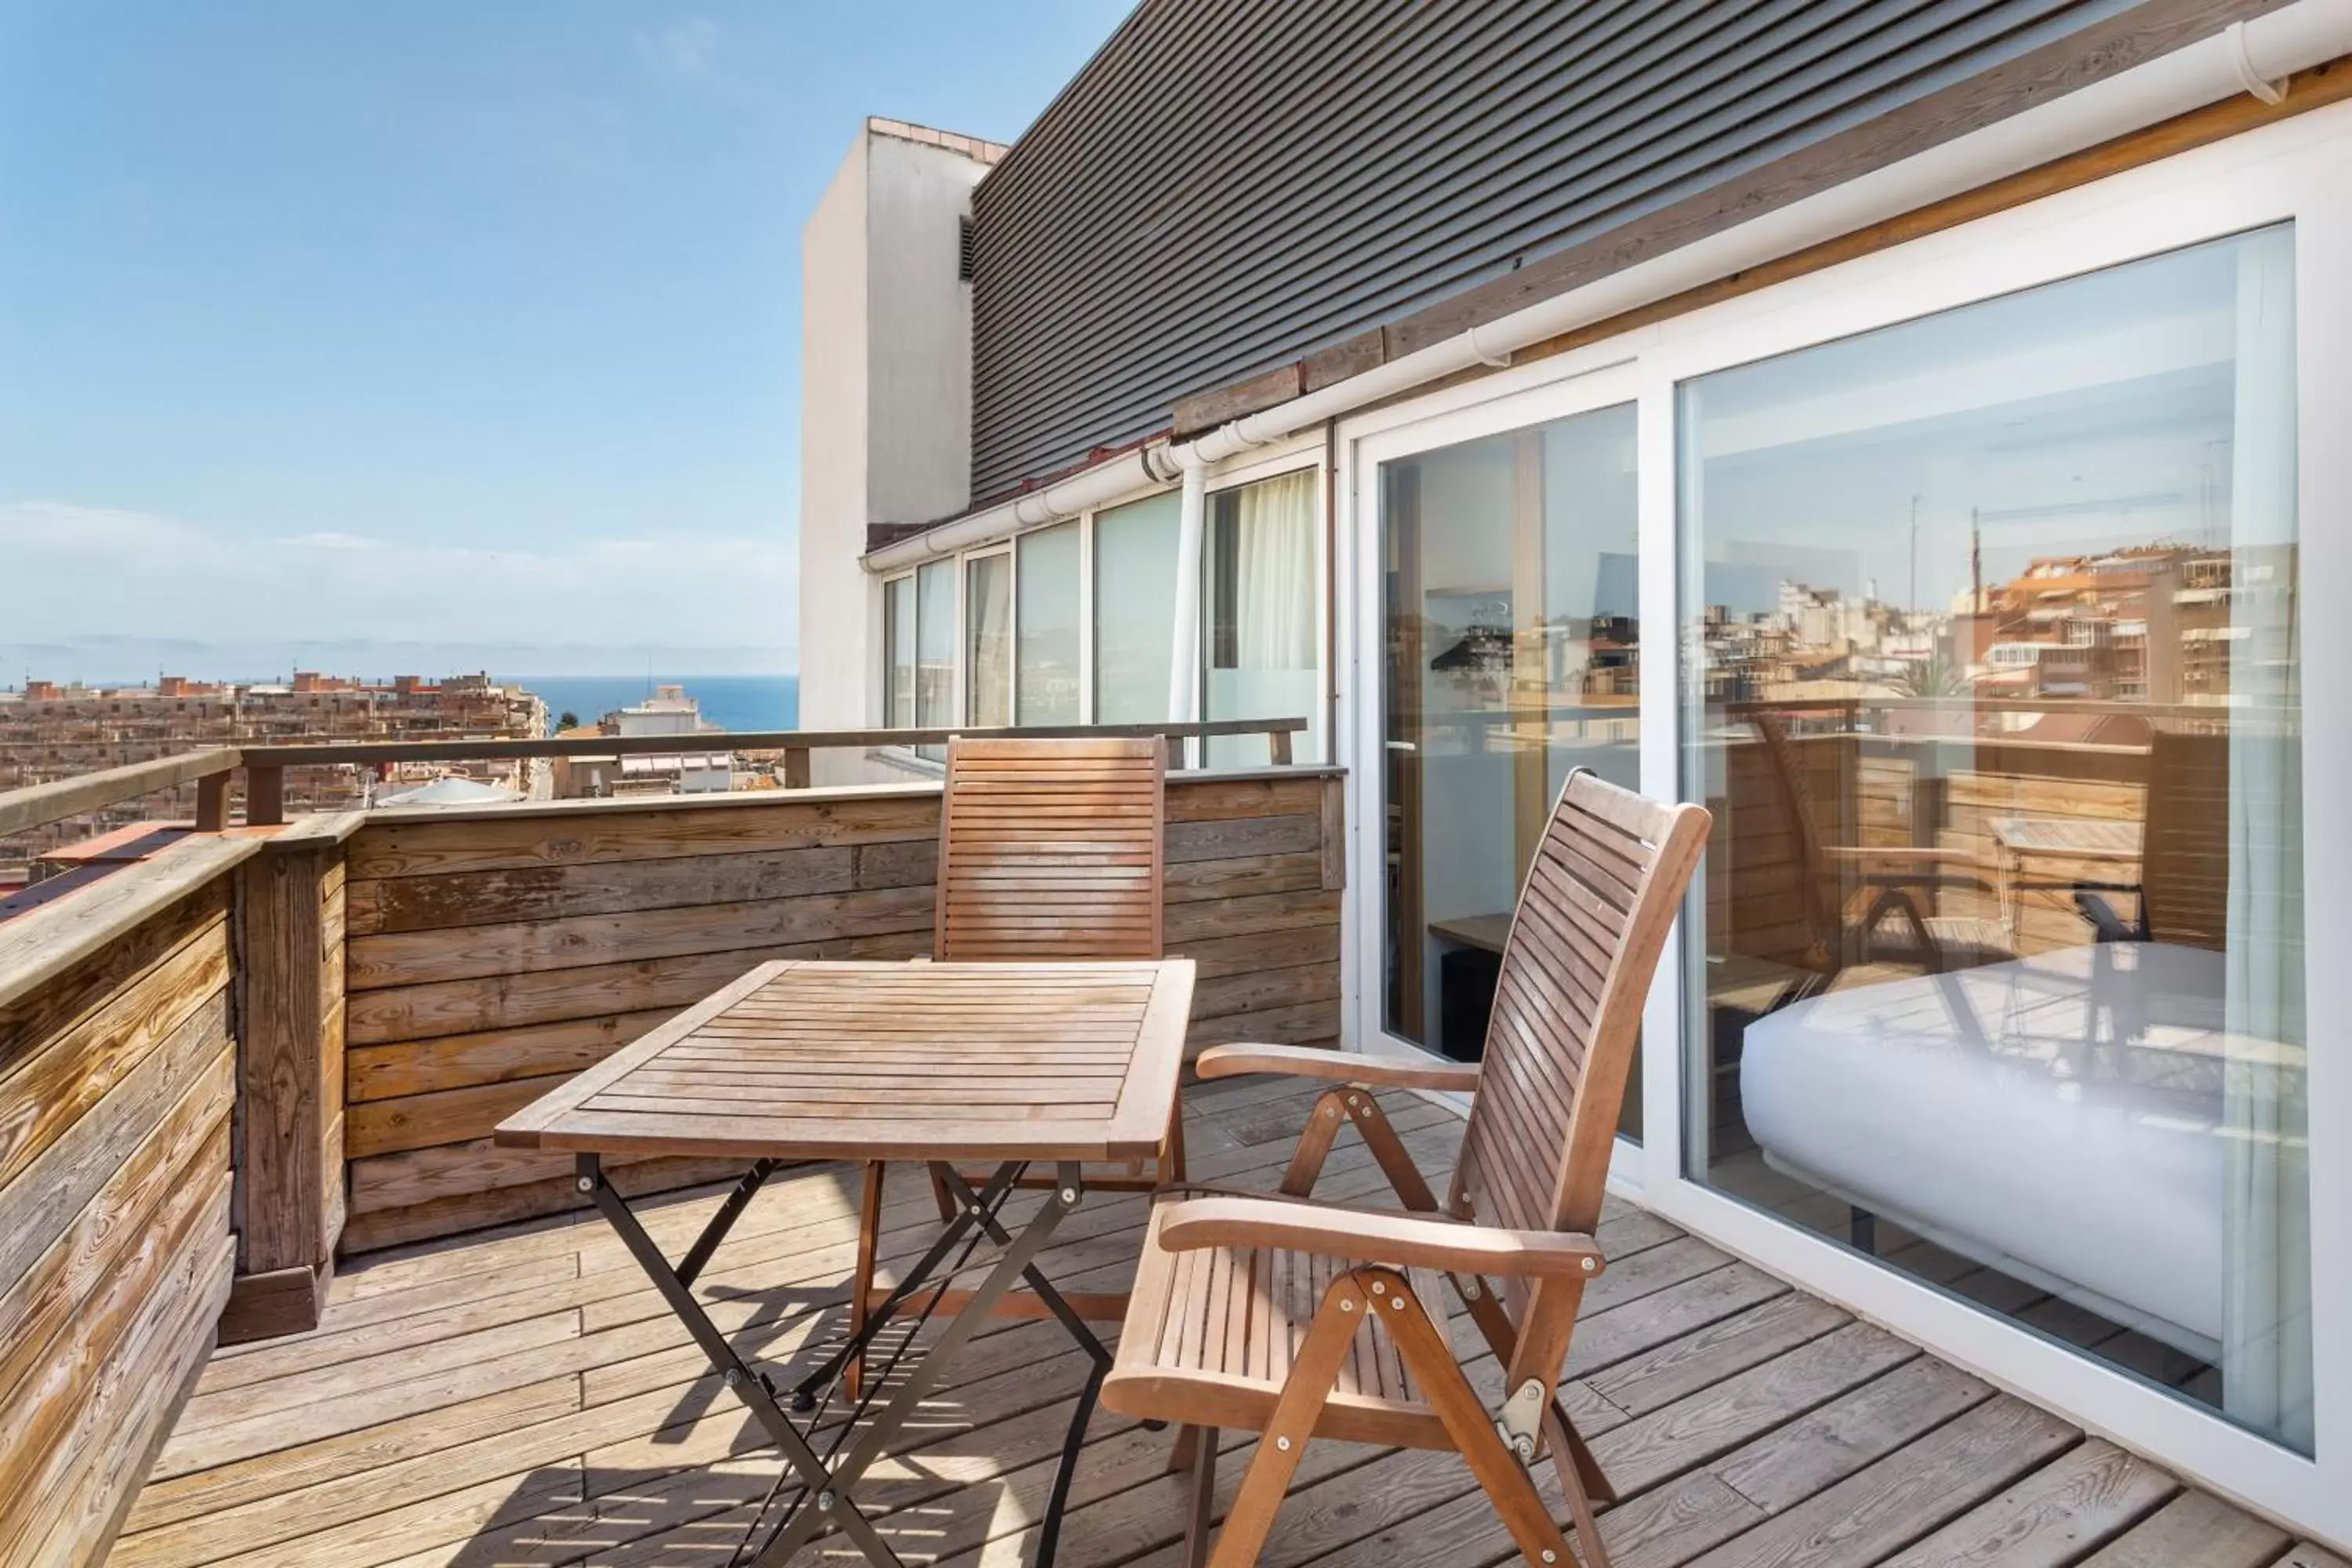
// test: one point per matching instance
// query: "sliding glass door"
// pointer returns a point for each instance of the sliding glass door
(1508, 642)
(1999, 978)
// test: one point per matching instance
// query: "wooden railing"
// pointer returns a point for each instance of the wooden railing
(36, 806)
(264, 766)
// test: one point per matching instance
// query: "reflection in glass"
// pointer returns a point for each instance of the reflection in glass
(1047, 690)
(1996, 703)
(898, 637)
(1258, 608)
(988, 640)
(1135, 609)
(1509, 580)
(935, 651)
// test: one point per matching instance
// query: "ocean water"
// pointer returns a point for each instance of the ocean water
(730, 702)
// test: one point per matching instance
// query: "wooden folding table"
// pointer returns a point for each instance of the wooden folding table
(997, 1065)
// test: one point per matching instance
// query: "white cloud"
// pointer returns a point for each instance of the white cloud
(75, 575)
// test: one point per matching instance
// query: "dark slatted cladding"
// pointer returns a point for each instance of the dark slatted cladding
(1230, 184)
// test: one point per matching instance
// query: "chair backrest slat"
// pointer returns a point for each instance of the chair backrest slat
(1601, 893)
(1051, 848)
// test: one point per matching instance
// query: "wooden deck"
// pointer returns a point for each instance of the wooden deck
(521, 1397)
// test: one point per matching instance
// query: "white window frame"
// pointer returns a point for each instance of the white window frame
(1297, 458)
(2297, 170)
(964, 563)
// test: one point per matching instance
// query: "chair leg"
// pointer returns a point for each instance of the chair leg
(1429, 1357)
(861, 1288)
(1185, 1452)
(1315, 1142)
(1200, 1512)
(1172, 1154)
(1581, 1481)
(945, 1199)
(1314, 1373)
(1404, 1176)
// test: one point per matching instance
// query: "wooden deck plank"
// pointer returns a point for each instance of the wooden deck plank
(422, 1427)
(1903, 1497)
(2085, 1497)
(2195, 1527)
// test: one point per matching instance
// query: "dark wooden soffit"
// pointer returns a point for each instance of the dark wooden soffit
(2103, 49)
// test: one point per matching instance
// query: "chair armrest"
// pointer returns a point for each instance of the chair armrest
(1412, 1241)
(1337, 1067)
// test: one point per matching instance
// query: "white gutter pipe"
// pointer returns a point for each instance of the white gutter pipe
(1184, 656)
(2253, 56)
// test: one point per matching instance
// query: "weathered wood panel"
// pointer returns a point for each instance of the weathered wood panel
(488, 958)
(118, 1078)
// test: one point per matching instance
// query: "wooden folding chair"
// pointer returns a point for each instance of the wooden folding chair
(1299, 1320)
(1048, 849)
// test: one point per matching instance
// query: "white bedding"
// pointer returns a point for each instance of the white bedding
(2057, 1115)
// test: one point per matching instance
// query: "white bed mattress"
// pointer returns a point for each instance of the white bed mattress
(2057, 1113)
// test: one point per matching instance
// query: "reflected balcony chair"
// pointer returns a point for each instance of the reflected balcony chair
(1298, 1320)
(1899, 924)
(1048, 849)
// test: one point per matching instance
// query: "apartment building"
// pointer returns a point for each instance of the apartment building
(49, 730)
(1954, 398)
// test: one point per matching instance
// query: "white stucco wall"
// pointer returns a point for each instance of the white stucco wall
(886, 405)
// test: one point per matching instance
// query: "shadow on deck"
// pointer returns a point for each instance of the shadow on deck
(522, 1397)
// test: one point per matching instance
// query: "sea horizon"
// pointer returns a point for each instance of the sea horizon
(735, 702)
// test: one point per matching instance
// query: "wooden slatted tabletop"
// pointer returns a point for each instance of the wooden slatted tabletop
(892, 1061)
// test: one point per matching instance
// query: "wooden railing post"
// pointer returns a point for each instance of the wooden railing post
(289, 1086)
(1277, 747)
(212, 803)
(796, 767)
(265, 796)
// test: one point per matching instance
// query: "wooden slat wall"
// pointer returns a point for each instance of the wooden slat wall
(1876, 791)
(118, 1077)
(488, 958)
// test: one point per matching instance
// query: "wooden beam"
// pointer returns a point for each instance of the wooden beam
(37, 947)
(212, 802)
(265, 795)
(283, 1029)
(37, 805)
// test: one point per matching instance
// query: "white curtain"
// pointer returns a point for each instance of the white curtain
(1273, 623)
(2266, 1330)
(1273, 668)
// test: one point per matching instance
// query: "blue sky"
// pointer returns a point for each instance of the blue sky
(432, 335)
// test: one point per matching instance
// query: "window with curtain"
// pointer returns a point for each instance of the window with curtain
(1135, 609)
(988, 640)
(1047, 690)
(1998, 966)
(898, 653)
(1258, 643)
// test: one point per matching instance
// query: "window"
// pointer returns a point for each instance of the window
(1135, 609)
(1998, 962)
(898, 657)
(1510, 637)
(1258, 603)
(988, 640)
(1048, 686)
(934, 585)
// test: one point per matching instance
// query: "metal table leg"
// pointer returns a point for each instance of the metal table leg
(1017, 1260)
(748, 1383)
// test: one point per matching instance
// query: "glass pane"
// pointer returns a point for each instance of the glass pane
(1257, 599)
(1508, 569)
(2002, 978)
(1135, 609)
(935, 651)
(898, 638)
(988, 641)
(1048, 687)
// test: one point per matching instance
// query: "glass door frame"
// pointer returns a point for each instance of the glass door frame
(1360, 738)
(2297, 171)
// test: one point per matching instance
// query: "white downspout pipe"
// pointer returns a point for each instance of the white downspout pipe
(1184, 652)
